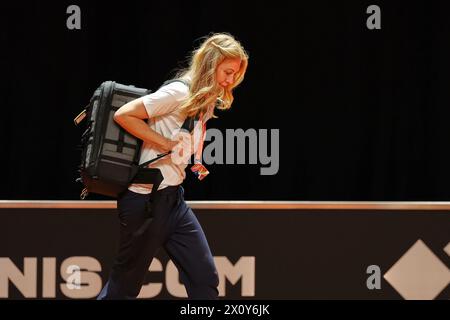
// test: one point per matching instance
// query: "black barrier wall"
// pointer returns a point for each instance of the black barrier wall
(260, 254)
(362, 113)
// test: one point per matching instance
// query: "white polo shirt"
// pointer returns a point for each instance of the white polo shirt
(165, 117)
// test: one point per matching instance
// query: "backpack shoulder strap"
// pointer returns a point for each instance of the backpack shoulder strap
(185, 82)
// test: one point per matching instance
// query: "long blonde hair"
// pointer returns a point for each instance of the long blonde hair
(201, 73)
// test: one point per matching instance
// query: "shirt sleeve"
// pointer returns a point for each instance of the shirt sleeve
(166, 99)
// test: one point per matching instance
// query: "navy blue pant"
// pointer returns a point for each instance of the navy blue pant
(173, 227)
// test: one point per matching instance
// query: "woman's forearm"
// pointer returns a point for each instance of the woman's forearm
(140, 129)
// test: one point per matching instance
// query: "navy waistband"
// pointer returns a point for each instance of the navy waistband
(169, 189)
(165, 191)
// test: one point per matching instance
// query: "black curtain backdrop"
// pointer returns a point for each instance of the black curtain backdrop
(363, 114)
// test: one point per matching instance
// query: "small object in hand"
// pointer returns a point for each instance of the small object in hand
(200, 171)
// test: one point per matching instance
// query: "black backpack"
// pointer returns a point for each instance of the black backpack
(109, 154)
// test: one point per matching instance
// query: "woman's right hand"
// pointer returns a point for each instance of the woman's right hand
(170, 145)
(181, 150)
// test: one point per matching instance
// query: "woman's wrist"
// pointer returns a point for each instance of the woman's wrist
(168, 145)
